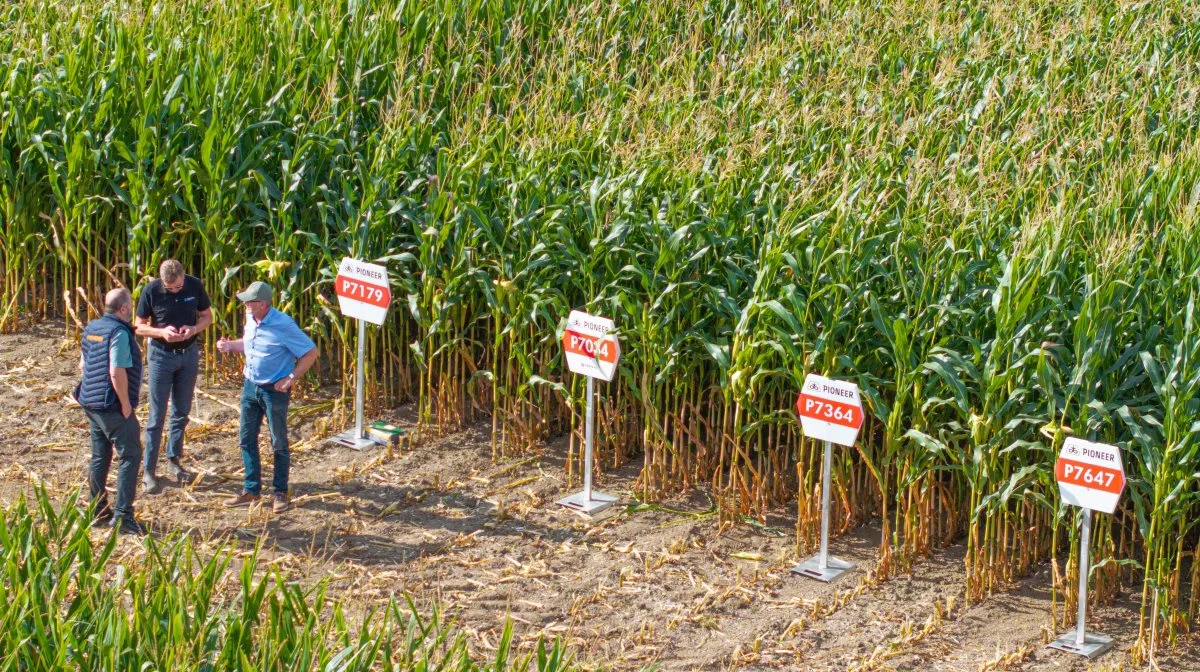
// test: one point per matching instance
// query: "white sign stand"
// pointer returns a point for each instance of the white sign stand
(363, 293)
(357, 438)
(594, 360)
(588, 501)
(1079, 641)
(830, 410)
(822, 567)
(1090, 476)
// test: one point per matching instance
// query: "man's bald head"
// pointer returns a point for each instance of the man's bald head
(117, 299)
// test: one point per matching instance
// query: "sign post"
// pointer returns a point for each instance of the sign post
(1090, 476)
(363, 293)
(591, 351)
(831, 411)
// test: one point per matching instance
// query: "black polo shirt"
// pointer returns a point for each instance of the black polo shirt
(178, 309)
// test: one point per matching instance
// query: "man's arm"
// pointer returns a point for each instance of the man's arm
(120, 356)
(305, 362)
(302, 366)
(203, 320)
(120, 381)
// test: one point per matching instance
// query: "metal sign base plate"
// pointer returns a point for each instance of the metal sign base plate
(812, 568)
(349, 440)
(1093, 646)
(580, 502)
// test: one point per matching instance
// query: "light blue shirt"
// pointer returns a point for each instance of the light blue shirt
(272, 347)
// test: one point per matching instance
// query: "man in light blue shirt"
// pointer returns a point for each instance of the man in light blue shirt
(277, 353)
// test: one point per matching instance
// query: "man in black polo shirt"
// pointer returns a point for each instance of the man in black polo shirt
(172, 310)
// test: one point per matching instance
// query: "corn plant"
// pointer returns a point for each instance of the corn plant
(72, 604)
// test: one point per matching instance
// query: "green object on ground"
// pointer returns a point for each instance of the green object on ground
(385, 432)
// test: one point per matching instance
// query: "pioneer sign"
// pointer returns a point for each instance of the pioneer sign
(590, 347)
(363, 293)
(1090, 475)
(830, 410)
(593, 351)
(362, 290)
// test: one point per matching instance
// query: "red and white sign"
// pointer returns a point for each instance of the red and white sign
(830, 410)
(591, 350)
(1090, 475)
(362, 290)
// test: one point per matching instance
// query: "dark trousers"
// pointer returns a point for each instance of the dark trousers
(259, 401)
(171, 376)
(110, 430)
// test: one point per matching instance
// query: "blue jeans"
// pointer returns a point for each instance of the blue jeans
(109, 430)
(172, 375)
(260, 401)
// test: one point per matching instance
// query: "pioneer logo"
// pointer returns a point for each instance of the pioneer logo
(837, 391)
(1096, 454)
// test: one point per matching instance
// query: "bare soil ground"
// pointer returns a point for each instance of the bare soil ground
(634, 588)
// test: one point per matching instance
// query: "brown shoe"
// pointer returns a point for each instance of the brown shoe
(243, 499)
(279, 503)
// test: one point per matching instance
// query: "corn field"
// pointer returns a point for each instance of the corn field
(73, 604)
(986, 216)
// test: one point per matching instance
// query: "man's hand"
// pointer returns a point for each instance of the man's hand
(285, 384)
(126, 409)
(185, 332)
(226, 345)
(171, 335)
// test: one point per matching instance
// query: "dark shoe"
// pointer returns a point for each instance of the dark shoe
(243, 499)
(279, 503)
(128, 526)
(150, 484)
(177, 472)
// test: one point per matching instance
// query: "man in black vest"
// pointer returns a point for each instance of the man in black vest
(111, 364)
(172, 310)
